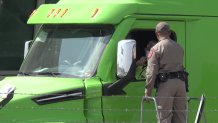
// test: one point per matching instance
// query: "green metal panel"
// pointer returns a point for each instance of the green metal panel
(166, 7)
(81, 110)
(93, 103)
(202, 62)
(22, 109)
(71, 13)
(117, 10)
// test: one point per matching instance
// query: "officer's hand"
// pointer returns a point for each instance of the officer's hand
(141, 61)
(147, 98)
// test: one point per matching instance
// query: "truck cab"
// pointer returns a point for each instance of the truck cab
(71, 73)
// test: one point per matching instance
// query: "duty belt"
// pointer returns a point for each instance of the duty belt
(174, 75)
(163, 77)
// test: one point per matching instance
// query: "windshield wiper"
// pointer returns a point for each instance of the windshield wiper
(56, 74)
(39, 73)
(23, 74)
(48, 73)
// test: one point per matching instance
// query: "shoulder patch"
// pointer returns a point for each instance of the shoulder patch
(150, 54)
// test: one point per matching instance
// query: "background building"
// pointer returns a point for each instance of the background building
(14, 32)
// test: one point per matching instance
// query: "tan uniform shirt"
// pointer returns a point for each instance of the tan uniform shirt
(165, 56)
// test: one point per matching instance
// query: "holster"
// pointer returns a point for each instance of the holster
(161, 77)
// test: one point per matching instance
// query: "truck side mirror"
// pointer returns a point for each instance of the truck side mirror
(126, 64)
(126, 53)
(27, 47)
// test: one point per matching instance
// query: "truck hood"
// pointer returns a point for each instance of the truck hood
(32, 86)
(42, 99)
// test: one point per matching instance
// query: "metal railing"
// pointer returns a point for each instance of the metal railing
(200, 111)
(199, 114)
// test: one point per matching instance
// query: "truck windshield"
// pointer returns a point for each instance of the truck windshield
(66, 50)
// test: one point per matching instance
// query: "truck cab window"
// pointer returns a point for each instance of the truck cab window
(142, 38)
(145, 39)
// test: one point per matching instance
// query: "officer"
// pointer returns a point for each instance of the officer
(165, 63)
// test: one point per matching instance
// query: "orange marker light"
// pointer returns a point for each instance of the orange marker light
(95, 12)
(57, 13)
(50, 12)
(65, 11)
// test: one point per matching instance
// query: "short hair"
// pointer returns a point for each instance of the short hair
(162, 27)
(150, 44)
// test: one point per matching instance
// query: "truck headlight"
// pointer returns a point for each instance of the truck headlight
(6, 94)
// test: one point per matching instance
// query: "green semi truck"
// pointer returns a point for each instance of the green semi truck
(72, 73)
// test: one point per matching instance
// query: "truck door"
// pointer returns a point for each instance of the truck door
(126, 107)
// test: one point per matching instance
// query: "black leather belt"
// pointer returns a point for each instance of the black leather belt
(163, 77)
(174, 75)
